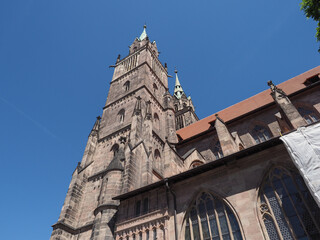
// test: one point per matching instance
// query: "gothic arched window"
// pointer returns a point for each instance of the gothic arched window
(210, 218)
(287, 208)
(156, 121)
(121, 115)
(115, 149)
(157, 159)
(261, 134)
(308, 115)
(126, 86)
(217, 151)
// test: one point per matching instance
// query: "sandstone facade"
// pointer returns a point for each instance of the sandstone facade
(149, 163)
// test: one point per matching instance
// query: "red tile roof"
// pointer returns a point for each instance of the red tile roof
(261, 99)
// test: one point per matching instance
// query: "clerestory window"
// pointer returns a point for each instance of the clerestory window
(261, 134)
(308, 115)
(287, 208)
(210, 218)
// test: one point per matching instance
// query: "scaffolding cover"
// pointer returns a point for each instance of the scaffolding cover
(303, 146)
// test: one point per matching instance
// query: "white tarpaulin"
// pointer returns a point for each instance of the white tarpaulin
(303, 146)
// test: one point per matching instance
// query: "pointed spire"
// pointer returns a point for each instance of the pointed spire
(143, 34)
(178, 91)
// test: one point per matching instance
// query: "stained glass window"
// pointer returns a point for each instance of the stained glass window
(210, 218)
(287, 207)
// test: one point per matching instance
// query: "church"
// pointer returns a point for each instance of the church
(152, 170)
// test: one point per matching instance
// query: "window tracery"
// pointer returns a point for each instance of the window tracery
(287, 208)
(308, 115)
(210, 218)
(261, 134)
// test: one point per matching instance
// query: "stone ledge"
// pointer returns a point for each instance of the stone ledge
(70, 229)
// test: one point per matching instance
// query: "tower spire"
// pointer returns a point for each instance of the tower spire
(178, 91)
(143, 34)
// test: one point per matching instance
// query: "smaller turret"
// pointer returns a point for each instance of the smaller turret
(183, 106)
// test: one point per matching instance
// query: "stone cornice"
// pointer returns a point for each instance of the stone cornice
(158, 138)
(118, 132)
(132, 94)
(102, 173)
(72, 230)
(105, 206)
(134, 69)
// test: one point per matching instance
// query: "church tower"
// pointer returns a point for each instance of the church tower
(184, 109)
(130, 146)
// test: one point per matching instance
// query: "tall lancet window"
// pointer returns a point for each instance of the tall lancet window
(217, 151)
(308, 115)
(126, 86)
(261, 134)
(287, 208)
(211, 218)
(156, 121)
(121, 115)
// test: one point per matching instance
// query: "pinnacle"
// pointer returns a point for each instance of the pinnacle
(143, 34)
(178, 91)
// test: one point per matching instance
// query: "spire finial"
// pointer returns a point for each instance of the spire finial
(144, 33)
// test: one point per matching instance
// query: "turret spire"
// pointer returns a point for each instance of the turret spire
(143, 34)
(178, 91)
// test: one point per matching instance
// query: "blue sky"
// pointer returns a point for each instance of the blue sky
(54, 78)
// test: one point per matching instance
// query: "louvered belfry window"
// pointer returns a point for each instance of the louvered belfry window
(287, 208)
(210, 218)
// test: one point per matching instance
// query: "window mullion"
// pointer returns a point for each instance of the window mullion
(191, 228)
(208, 222)
(273, 217)
(217, 218)
(199, 222)
(295, 209)
(228, 222)
(281, 207)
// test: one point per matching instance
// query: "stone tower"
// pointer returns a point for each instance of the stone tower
(130, 146)
(184, 109)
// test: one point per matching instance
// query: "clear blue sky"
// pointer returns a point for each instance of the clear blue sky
(54, 78)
